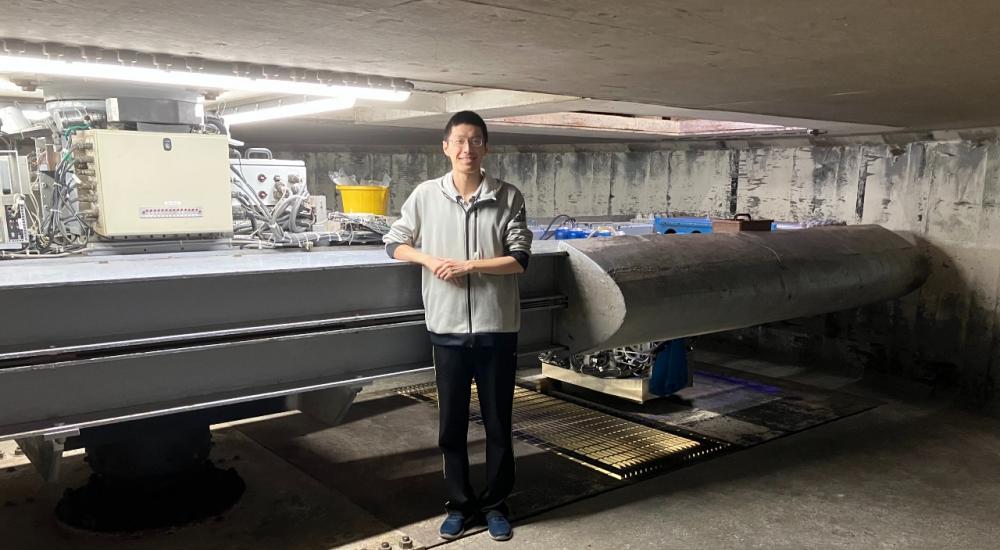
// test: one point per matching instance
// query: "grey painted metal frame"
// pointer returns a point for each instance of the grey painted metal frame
(95, 301)
(134, 343)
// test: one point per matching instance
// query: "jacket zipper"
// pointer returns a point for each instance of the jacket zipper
(468, 255)
(468, 278)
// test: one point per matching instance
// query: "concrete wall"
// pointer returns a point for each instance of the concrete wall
(946, 192)
(557, 180)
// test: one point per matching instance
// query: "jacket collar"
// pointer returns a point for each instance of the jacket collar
(487, 188)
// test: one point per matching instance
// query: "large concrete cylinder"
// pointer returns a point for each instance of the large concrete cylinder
(628, 290)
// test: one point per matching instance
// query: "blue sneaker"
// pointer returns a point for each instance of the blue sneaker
(453, 526)
(498, 526)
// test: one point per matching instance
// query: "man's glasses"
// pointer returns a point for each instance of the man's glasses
(473, 142)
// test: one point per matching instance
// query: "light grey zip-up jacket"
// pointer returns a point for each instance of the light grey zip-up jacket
(436, 221)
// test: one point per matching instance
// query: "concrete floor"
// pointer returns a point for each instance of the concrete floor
(912, 473)
(917, 472)
(902, 475)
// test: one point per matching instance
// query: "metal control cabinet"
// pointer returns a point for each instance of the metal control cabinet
(270, 178)
(13, 223)
(151, 184)
(14, 173)
(13, 215)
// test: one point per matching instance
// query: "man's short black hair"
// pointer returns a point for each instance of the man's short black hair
(466, 117)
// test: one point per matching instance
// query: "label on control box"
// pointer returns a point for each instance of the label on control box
(170, 212)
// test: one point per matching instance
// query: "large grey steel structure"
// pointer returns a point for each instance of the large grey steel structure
(101, 340)
(125, 337)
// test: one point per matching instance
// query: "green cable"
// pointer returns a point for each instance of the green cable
(72, 129)
(69, 131)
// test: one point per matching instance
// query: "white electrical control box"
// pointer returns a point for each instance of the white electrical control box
(13, 223)
(152, 184)
(269, 178)
(14, 173)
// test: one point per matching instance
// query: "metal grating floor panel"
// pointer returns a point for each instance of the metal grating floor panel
(614, 446)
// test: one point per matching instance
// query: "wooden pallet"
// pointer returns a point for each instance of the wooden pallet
(633, 389)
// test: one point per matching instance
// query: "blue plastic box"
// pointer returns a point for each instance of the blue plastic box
(681, 225)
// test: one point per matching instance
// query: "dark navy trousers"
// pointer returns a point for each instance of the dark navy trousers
(491, 363)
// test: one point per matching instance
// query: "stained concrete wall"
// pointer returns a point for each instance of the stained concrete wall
(945, 192)
(556, 180)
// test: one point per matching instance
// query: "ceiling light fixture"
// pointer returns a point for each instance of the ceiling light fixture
(54, 60)
(313, 107)
(8, 85)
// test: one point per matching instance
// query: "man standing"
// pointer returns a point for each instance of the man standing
(469, 232)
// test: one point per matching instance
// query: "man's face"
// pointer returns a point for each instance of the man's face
(466, 148)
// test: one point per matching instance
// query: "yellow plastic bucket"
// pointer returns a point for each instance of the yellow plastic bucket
(364, 199)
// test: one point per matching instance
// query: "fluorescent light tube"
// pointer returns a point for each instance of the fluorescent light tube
(288, 111)
(183, 78)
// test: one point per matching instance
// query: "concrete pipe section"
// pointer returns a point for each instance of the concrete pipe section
(643, 288)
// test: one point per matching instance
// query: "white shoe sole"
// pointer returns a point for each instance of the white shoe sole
(502, 539)
(451, 537)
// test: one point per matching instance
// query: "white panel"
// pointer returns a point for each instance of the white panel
(151, 183)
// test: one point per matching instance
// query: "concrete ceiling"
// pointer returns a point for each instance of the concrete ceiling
(514, 118)
(911, 64)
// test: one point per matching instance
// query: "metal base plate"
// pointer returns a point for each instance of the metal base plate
(117, 246)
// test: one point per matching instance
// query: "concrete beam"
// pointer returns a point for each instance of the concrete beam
(492, 100)
(637, 125)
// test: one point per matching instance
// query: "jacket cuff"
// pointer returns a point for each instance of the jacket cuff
(521, 257)
(390, 249)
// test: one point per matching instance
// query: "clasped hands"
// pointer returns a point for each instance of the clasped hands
(450, 270)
